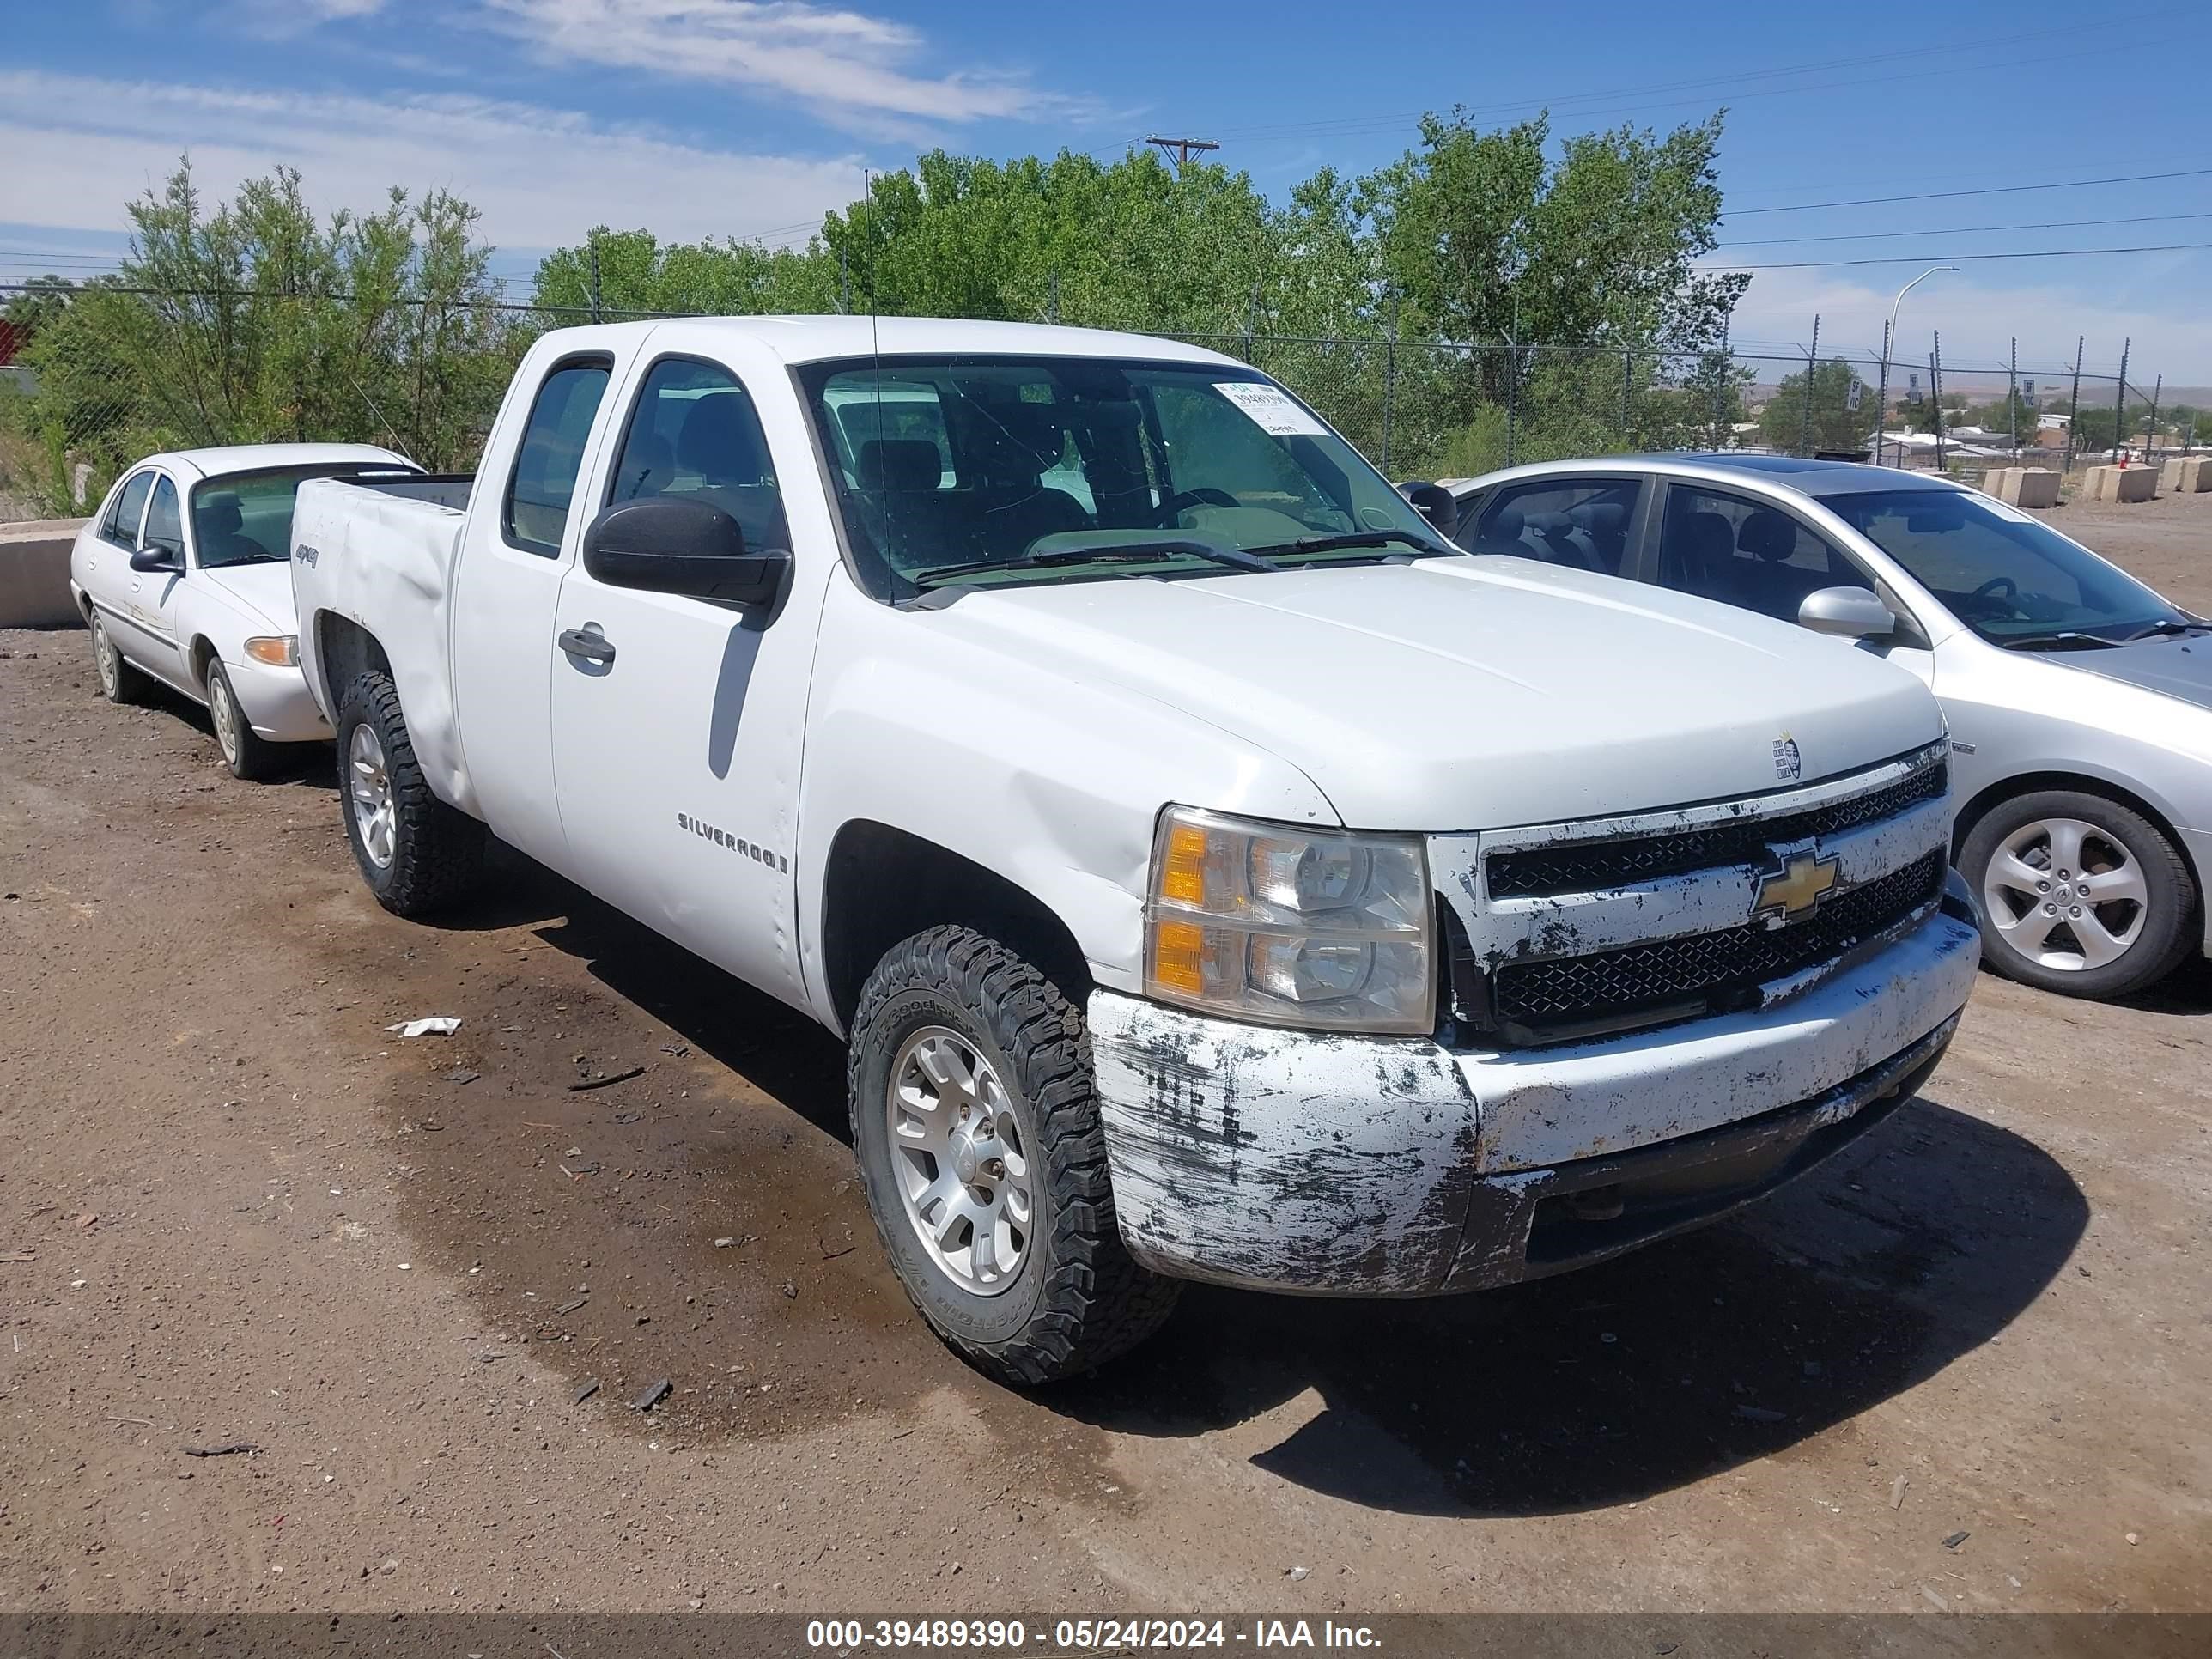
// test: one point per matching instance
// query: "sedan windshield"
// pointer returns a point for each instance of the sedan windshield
(2009, 578)
(245, 518)
(964, 471)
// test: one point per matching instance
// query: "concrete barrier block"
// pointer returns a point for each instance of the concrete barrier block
(1994, 479)
(2029, 486)
(2169, 478)
(2192, 475)
(2133, 483)
(34, 568)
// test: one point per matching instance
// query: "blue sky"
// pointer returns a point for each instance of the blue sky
(701, 117)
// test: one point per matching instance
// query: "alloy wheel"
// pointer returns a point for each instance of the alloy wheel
(960, 1157)
(2066, 894)
(368, 789)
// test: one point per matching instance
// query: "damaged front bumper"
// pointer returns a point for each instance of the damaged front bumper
(1338, 1165)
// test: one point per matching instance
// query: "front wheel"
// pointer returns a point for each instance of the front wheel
(418, 855)
(248, 755)
(984, 1161)
(2081, 895)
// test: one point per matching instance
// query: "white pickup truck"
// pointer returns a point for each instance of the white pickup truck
(1214, 873)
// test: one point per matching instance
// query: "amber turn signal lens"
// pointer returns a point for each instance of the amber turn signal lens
(1183, 874)
(278, 652)
(1178, 957)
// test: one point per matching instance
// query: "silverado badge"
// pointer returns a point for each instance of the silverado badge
(1796, 888)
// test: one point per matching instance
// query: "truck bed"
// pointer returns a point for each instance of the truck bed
(381, 557)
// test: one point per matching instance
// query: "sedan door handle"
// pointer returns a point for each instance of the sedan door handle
(588, 643)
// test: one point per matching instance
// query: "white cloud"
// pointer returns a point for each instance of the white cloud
(1979, 320)
(842, 65)
(79, 147)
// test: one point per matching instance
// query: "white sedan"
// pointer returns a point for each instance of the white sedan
(183, 576)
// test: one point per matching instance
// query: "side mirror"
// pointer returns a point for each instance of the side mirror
(1851, 613)
(1436, 504)
(152, 559)
(679, 544)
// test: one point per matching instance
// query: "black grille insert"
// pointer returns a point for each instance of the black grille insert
(1593, 866)
(1703, 971)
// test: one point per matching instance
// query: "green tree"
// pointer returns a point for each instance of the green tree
(2006, 415)
(1834, 423)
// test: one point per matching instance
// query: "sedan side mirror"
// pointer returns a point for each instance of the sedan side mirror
(680, 545)
(152, 559)
(1851, 613)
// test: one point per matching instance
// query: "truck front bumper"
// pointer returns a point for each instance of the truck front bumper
(1340, 1166)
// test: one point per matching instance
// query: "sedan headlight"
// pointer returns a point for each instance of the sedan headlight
(277, 650)
(1326, 929)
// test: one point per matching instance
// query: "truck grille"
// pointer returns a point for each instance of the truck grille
(1701, 972)
(1592, 866)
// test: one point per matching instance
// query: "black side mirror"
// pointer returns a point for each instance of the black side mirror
(680, 545)
(1436, 504)
(152, 559)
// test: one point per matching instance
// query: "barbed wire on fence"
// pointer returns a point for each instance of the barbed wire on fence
(107, 375)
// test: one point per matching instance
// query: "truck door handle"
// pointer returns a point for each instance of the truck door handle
(588, 643)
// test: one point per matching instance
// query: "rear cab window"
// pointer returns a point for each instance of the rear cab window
(542, 485)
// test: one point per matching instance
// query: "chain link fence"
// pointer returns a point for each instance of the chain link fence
(105, 375)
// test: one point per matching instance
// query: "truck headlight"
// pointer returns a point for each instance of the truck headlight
(1321, 928)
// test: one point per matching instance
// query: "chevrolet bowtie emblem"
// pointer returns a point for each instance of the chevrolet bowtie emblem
(1796, 889)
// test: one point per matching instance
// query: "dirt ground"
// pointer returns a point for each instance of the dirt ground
(1967, 1365)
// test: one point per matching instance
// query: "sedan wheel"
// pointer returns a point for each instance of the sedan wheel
(2066, 895)
(368, 787)
(222, 712)
(119, 680)
(2081, 895)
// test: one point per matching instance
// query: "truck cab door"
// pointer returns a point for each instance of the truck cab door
(677, 721)
(507, 585)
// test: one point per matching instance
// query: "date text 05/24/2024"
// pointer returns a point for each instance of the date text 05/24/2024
(845, 1635)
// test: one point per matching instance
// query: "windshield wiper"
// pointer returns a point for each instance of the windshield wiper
(1357, 538)
(2064, 640)
(1105, 553)
(2166, 627)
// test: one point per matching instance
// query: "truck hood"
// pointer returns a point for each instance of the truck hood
(1453, 694)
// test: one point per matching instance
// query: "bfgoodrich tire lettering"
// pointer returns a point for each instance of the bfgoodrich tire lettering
(425, 857)
(1077, 1299)
(2081, 895)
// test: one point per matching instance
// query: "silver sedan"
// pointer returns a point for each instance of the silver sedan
(2079, 701)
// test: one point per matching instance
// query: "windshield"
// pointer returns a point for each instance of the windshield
(2007, 576)
(245, 518)
(960, 471)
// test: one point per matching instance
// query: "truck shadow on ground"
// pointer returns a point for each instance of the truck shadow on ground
(1623, 1380)
(1920, 1243)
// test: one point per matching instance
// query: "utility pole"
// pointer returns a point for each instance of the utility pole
(1811, 368)
(2012, 396)
(2074, 408)
(2120, 402)
(1936, 393)
(2150, 425)
(1882, 398)
(1180, 150)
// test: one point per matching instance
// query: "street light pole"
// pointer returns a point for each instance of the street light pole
(1881, 415)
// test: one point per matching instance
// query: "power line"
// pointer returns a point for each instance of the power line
(1915, 259)
(1964, 230)
(1989, 190)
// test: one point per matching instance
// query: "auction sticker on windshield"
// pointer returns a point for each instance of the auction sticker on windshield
(1272, 409)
